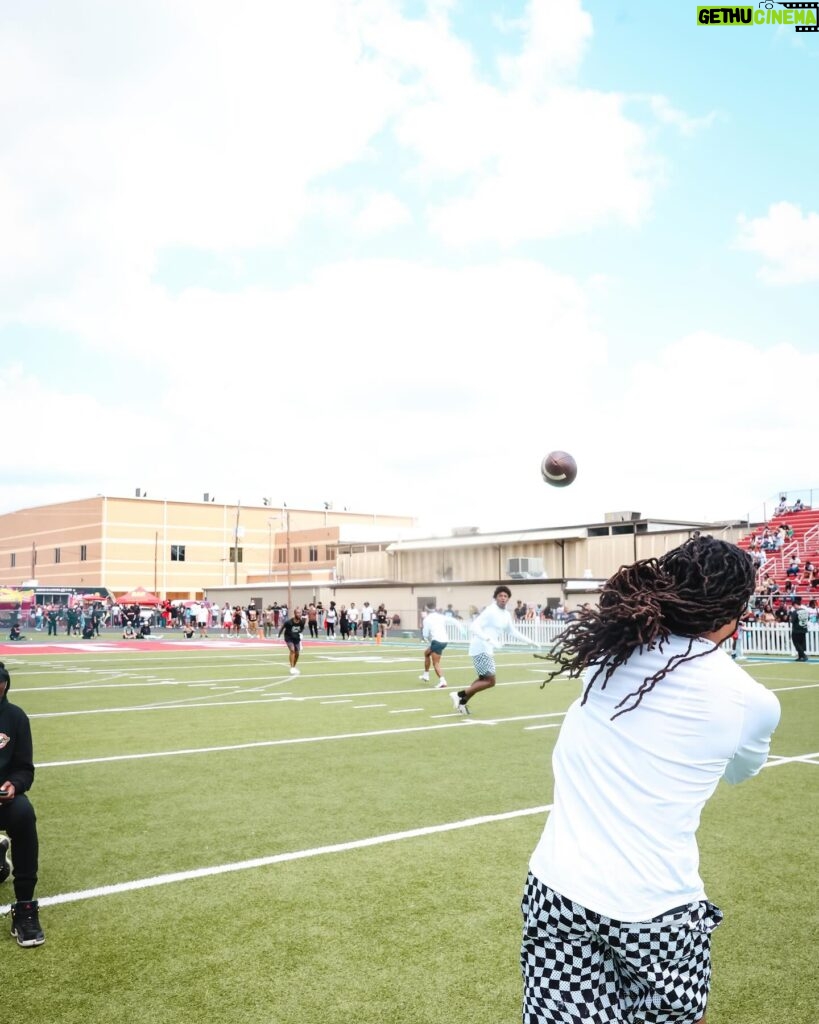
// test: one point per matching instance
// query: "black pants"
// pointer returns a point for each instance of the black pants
(19, 822)
(800, 642)
(313, 627)
(366, 628)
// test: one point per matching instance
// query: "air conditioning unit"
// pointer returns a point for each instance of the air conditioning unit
(524, 568)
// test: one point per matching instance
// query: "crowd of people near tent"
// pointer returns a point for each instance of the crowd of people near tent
(204, 618)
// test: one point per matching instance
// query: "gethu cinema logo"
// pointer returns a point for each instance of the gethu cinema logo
(803, 16)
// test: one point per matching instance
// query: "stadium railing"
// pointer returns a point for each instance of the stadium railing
(756, 639)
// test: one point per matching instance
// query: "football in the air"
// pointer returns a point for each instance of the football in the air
(558, 469)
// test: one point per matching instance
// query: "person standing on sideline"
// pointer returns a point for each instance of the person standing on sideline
(434, 632)
(366, 621)
(488, 630)
(799, 617)
(330, 619)
(293, 629)
(616, 924)
(17, 818)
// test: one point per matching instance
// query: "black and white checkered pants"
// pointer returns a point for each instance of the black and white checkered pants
(582, 968)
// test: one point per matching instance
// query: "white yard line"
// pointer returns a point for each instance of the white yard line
(184, 752)
(282, 858)
(188, 702)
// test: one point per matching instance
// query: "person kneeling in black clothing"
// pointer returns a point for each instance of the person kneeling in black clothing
(17, 817)
(14, 632)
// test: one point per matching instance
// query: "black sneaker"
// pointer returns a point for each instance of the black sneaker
(5, 860)
(25, 924)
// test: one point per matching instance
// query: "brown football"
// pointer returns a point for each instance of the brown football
(558, 469)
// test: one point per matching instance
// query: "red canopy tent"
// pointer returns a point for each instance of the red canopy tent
(141, 596)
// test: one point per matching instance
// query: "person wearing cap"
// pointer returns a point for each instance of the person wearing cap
(17, 817)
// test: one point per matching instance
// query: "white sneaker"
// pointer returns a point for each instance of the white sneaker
(441, 684)
(294, 672)
(424, 677)
(456, 702)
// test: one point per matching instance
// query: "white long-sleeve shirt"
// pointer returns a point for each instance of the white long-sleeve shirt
(489, 628)
(621, 837)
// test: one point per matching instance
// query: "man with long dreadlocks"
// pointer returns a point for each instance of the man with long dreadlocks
(616, 922)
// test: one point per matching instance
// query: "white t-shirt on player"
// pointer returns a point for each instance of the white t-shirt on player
(621, 837)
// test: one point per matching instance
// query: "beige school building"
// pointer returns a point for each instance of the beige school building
(183, 549)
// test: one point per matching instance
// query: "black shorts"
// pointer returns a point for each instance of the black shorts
(437, 647)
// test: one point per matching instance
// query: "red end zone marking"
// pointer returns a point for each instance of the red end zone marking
(103, 645)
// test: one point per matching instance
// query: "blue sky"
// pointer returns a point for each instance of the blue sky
(389, 254)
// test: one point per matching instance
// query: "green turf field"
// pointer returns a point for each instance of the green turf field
(367, 861)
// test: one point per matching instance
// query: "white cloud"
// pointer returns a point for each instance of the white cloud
(562, 166)
(534, 157)
(666, 113)
(170, 126)
(382, 212)
(556, 33)
(342, 386)
(208, 138)
(787, 240)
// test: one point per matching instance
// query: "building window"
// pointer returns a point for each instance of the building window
(235, 555)
(296, 554)
(330, 554)
(83, 552)
(313, 554)
(13, 558)
(56, 556)
(282, 554)
(178, 553)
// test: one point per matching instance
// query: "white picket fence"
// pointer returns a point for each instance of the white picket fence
(759, 638)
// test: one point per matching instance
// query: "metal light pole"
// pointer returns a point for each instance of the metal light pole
(289, 564)
(236, 547)
(284, 518)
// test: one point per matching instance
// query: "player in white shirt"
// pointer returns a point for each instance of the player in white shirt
(435, 633)
(488, 632)
(616, 923)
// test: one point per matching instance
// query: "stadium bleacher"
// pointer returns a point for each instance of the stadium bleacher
(804, 543)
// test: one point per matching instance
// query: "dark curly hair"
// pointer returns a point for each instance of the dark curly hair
(696, 588)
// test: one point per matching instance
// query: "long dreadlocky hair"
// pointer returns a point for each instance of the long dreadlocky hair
(694, 589)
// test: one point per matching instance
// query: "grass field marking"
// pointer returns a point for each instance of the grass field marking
(358, 707)
(801, 686)
(182, 703)
(405, 711)
(290, 741)
(140, 667)
(346, 700)
(283, 858)
(776, 760)
(550, 725)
